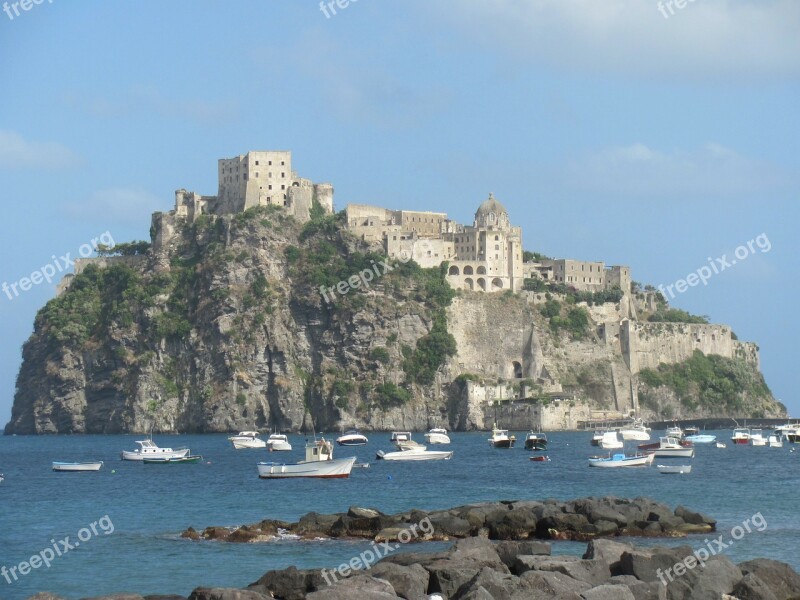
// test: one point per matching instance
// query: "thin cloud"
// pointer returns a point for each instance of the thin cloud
(18, 153)
(118, 206)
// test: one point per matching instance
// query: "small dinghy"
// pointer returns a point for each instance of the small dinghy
(540, 458)
(674, 469)
(174, 461)
(70, 467)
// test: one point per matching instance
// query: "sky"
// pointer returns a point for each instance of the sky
(628, 131)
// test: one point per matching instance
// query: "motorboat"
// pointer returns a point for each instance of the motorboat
(540, 458)
(501, 439)
(611, 441)
(691, 430)
(790, 432)
(701, 438)
(415, 455)
(757, 438)
(277, 442)
(247, 439)
(400, 436)
(741, 435)
(775, 442)
(148, 449)
(674, 432)
(671, 447)
(352, 437)
(596, 437)
(437, 435)
(674, 469)
(191, 459)
(535, 441)
(65, 467)
(621, 460)
(657, 445)
(635, 431)
(319, 463)
(410, 445)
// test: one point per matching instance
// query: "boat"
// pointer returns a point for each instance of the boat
(721, 445)
(247, 439)
(757, 438)
(790, 432)
(192, 459)
(539, 458)
(674, 432)
(657, 445)
(691, 430)
(775, 442)
(741, 435)
(437, 435)
(535, 441)
(352, 437)
(77, 466)
(501, 439)
(674, 469)
(596, 437)
(277, 442)
(1, 478)
(701, 438)
(611, 441)
(319, 463)
(400, 436)
(410, 445)
(415, 455)
(635, 431)
(621, 460)
(148, 449)
(671, 447)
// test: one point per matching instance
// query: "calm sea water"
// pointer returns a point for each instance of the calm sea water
(150, 505)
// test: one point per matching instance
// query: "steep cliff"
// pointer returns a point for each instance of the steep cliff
(255, 320)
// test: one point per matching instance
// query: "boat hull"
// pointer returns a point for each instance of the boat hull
(173, 461)
(279, 447)
(503, 443)
(63, 467)
(701, 439)
(361, 441)
(437, 438)
(323, 469)
(634, 435)
(740, 441)
(411, 455)
(615, 462)
(133, 455)
(244, 444)
(674, 469)
(535, 445)
(673, 452)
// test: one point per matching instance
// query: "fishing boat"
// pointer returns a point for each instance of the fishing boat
(415, 455)
(674, 432)
(670, 447)
(501, 439)
(635, 431)
(596, 437)
(674, 469)
(757, 438)
(611, 441)
(69, 467)
(319, 463)
(701, 438)
(277, 442)
(536, 441)
(148, 449)
(775, 442)
(741, 436)
(437, 435)
(247, 439)
(621, 460)
(192, 459)
(352, 437)
(691, 430)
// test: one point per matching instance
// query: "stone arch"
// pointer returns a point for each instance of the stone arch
(482, 283)
(453, 270)
(469, 284)
(468, 270)
(497, 283)
(517, 366)
(481, 270)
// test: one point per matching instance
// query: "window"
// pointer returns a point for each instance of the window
(270, 164)
(283, 186)
(283, 163)
(256, 174)
(283, 175)
(270, 186)
(256, 163)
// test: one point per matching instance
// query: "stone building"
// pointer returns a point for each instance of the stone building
(585, 276)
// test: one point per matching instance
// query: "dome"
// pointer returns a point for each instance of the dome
(492, 214)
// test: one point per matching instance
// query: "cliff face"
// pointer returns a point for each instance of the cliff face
(224, 328)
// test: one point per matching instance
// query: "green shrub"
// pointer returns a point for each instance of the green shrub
(380, 354)
(676, 315)
(389, 395)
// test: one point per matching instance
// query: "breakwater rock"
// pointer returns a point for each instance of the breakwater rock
(582, 519)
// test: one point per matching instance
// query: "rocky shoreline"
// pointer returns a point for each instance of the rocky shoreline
(495, 556)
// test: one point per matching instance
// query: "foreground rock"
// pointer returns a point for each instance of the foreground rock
(582, 519)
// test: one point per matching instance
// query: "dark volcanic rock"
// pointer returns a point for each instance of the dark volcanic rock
(227, 594)
(779, 577)
(509, 550)
(290, 583)
(355, 587)
(409, 582)
(752, 588)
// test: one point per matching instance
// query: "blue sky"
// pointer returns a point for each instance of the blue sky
(609, 131)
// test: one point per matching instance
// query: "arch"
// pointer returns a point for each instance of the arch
(468, 270)
(482, 283)
(497, 283)
(481, 270)
(469, 284)
(453, 270)
(517, 369)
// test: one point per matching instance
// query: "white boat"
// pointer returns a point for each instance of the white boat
(741, 436)
(596, 437)
(674, 469)
(671, 447)
(400, 436)
(77, 466)
(352, 437)
(620, 460)
(757, 438)
(790, 432)
(148, 449)
(437, 435)
(775, 442)
(635, 431)
(319, 463)
(701, 438)
(611, 441)
(535, 441)
(674, 432)
(415, 455)
(247, 439)
(410, 445)
(277, 442)
(721, 445)
(501, 439)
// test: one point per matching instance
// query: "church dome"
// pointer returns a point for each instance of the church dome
(492, 214)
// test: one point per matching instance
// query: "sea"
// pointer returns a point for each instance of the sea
(139, 511)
